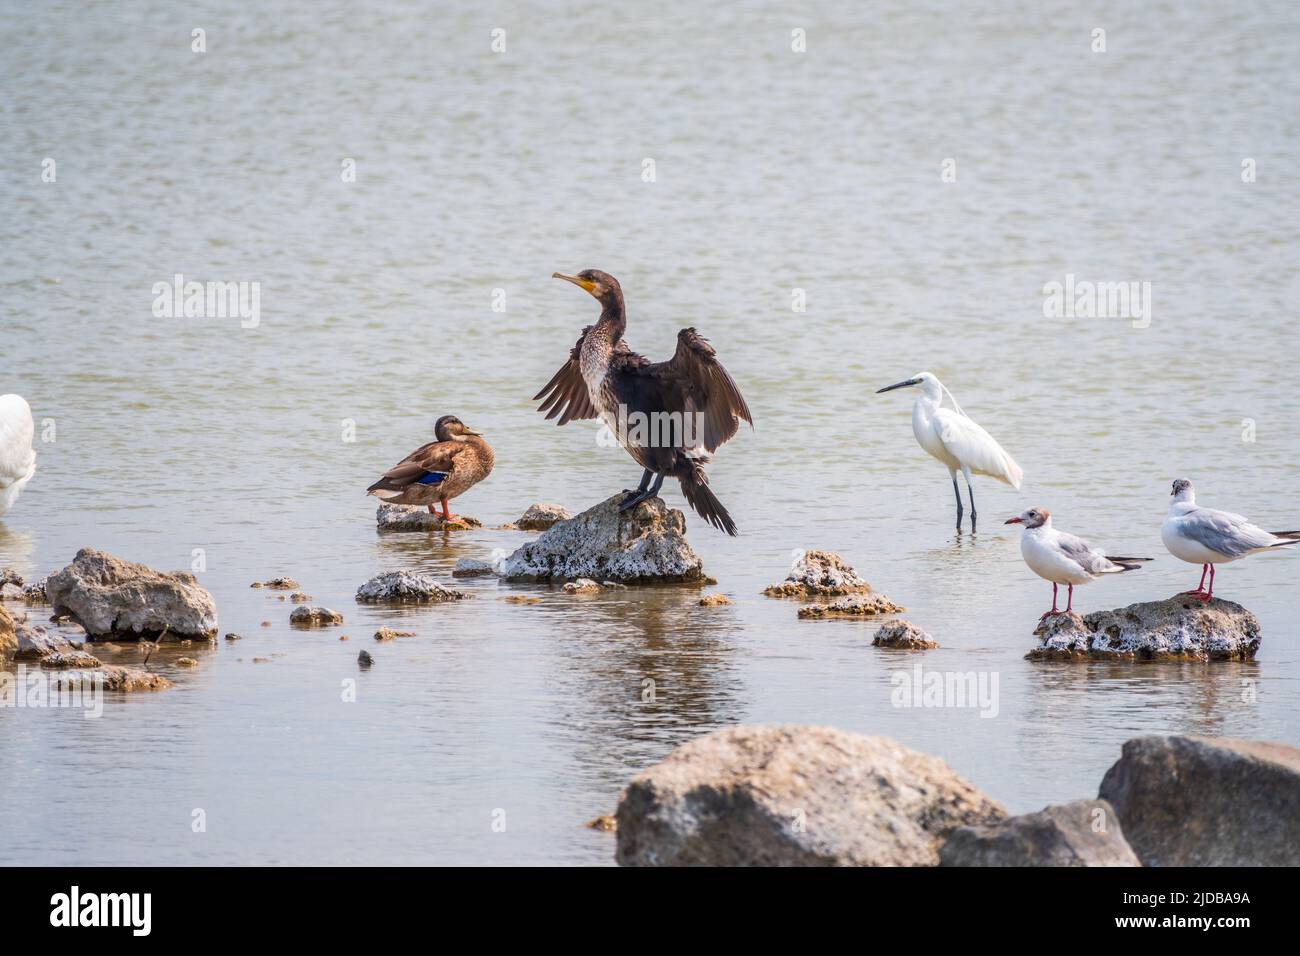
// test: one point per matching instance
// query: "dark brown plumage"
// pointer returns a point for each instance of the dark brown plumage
(605, 379)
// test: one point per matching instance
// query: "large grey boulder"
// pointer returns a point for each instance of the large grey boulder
(645, 545)
(112, 598)
(794, 795)
(1202, 801)
(405, 587)
(819, 574)
(1082, 833)
(1177, 629)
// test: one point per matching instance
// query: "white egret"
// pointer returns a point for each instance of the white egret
(952, 437)
(1064, 558)
(17, 457)
(1207, 537)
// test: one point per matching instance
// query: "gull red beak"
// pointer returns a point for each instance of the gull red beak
(1013, 521)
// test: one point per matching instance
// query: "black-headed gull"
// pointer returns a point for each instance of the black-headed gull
(17, 457)
(952, 437)
(1063, 558)
(1207, 537)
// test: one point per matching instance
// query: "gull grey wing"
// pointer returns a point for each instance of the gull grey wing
(1222, 531)
(1082, 553)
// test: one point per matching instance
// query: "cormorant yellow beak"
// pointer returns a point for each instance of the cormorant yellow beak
(586, 284)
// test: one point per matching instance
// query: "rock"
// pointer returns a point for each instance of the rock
(73, 658)
(715, 600)
(8, 638)
(406, 587)
(1202, 801)
(387, 634)
(819, 574)
(186, 662)
(903, 634)
(112, 678)
(409, 518)
(233, 637)
(261, 660)
(112, 598)
(857, 605)
(645, 545)
(582, 586)
(795, 795)
(1061, 835)
(267, 623)
(541, 516)
(35, 643)
(605, 823)
(297, 597)
(1177, 629)
(314, 616)
(521, 599)
(35, 593)
(9, 576)
(470, 568)
(278, 584)
(364, 659)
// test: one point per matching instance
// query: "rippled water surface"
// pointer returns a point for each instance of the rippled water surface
(479, 171)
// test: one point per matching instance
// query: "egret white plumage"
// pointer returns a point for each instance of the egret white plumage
(17, 456)
(1064, 558)
(949, 435)
(1208, 537)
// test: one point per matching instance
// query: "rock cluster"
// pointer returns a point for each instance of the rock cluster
(405, 587)
(314, 616)
(819, 574)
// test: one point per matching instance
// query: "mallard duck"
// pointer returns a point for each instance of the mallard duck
(439, 471)
(668, 415)
(17, 456)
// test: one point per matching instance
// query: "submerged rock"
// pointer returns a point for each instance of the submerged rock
(186, 662)
(905, 635)
(406, 587)
(856, 605)
(1177, 629)
(1201, 801)
(795, 795)
(111, 677)
(819, 574)
(277, 584)
(471, 568)
(113, 598)
(1082, 833)
(715, 600)
(387, 634)
(412, 518)
(646, 545)
(582, 586)
(298, 597)
(232, 636)
(314, 616)
(364, 659)
(541, 516)
(72, 658)
(605, 823)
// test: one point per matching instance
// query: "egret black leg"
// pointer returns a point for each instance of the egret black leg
(957, 491)
(970, 492)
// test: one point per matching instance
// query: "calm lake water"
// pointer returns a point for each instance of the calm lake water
(774, 171)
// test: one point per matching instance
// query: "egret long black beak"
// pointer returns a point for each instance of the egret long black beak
(1014, 521)
(890, 388)
(585, 284)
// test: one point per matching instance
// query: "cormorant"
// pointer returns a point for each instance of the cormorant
(668, 415)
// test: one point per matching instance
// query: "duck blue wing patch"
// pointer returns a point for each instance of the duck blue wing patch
(432, 478)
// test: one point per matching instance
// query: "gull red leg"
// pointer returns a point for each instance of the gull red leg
(1069, 599)
(1047, 614)
(1210, 594)
(1200, 588)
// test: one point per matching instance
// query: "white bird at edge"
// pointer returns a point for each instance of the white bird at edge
(950, 435)
(1064, 558)
(1208, 537)
(17, 457)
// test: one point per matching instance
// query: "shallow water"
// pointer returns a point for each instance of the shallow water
(477, 172)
